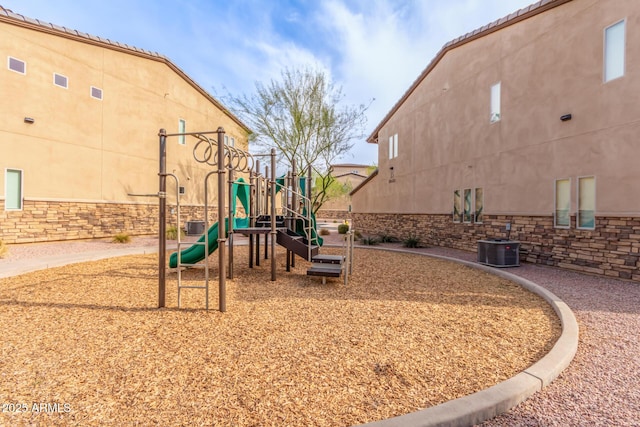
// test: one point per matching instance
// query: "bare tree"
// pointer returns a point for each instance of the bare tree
(301, 117)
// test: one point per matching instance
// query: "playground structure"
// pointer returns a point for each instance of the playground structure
(294, 228)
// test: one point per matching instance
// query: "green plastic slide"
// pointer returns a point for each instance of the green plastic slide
(196, 253)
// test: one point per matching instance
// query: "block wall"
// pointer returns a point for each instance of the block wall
(46, 221)
(611, 249)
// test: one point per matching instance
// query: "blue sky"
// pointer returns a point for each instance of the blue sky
(373, 49)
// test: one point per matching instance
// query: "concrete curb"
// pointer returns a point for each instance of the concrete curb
(486, 404)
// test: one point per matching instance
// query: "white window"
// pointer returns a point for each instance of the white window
(587, 202)
(17, 65)
(182, 128)
(614, 46)
(393, 146)
(60, 80)
(457, 206)
(13, 189)
(562, 218)
(479, 206)
(229, 140)
(495, 103)
(467, 205)
(96, 92)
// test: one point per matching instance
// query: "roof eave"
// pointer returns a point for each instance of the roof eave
(522, 14)
(363, 183)
(12, 18)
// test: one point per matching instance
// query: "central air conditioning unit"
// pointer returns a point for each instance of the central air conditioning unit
(499, 253)
(195, 228)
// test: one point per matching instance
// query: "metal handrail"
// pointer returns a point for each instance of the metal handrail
(306, 201)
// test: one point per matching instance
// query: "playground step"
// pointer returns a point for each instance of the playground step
(328, 259)
(296, 244)
(265, 221)
(326, 271)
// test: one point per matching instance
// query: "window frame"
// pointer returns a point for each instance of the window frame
(578, 198)
(495, 115)
(467, 215)
(182, 128)
(24, 63)
(66, 80)
(475, 205)
(6, 189)
(555, 204)
(605, 57)
(457, 206)
(393, 146)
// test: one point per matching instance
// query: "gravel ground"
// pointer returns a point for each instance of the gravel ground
(601, 387)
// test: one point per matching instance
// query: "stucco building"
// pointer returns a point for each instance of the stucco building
(349, 175)
(529, 123)
(79, 134)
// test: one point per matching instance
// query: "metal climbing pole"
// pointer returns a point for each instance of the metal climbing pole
(162, 209)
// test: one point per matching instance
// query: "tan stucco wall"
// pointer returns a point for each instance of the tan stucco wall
(351, 175)
(548, 65)
(80, 148)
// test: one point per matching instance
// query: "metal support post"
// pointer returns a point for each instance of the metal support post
(222, 285)
(266, 207)
(273, 215)
(162, 210)
(231, 216)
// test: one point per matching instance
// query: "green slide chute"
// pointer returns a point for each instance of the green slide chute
(196, 253)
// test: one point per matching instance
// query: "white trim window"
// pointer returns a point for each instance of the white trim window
(182, 128)
(95, 92)
(478, 206)
(562, 211)
(230, 141)
(495, 103)
(614, 51)
(468, 203)
(60, 80)
(393, 146)
(13, 189)
(457, 206)
(17, 65)
(586, 218)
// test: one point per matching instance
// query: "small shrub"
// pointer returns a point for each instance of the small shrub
(411, 242)
(357, 234)
(343, 228)
(369, 241)
(121, 238)
(385, 238)
(4, 249)
(324, 232)
(172, 233)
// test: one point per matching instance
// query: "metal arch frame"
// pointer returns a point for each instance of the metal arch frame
(234, 159)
